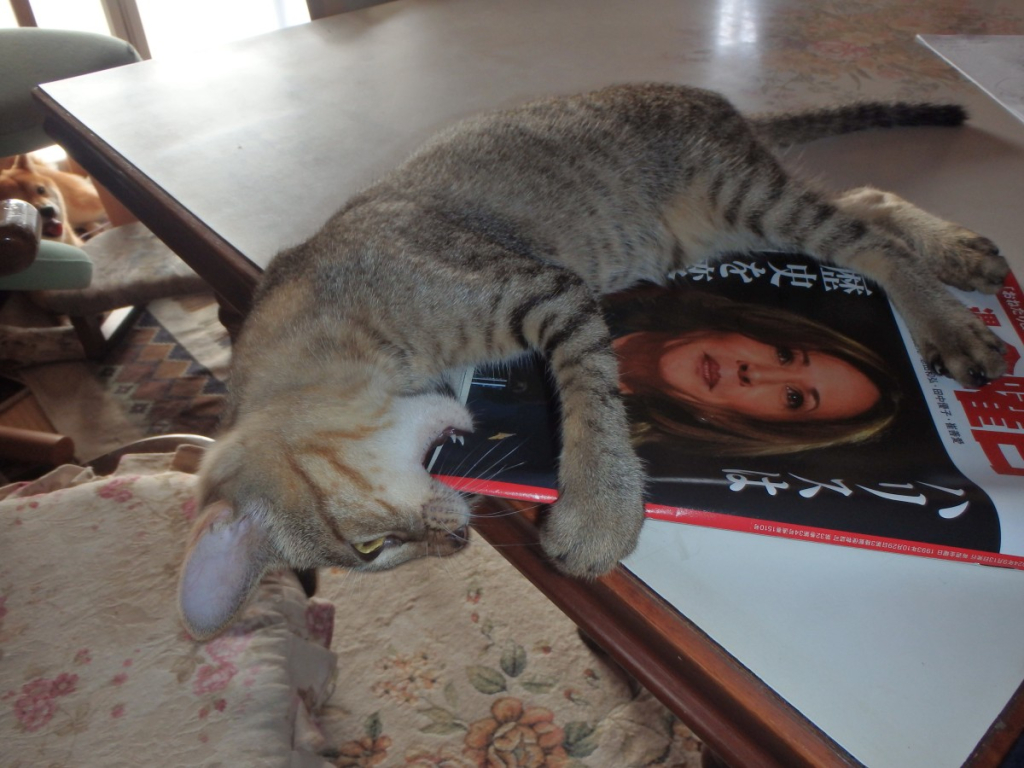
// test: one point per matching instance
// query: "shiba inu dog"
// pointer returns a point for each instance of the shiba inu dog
(67, 203)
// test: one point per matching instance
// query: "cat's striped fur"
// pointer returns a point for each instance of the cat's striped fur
(498, 237)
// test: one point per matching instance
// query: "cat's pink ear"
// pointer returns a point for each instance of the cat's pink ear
(225, 561)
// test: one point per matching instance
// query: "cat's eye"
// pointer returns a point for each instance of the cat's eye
(369, 547)
(369, 550)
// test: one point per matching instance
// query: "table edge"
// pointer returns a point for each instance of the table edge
(231, 275)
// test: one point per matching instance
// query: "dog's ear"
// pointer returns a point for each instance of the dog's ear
(24, 163)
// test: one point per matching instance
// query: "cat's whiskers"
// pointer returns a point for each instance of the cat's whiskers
(494, 469)
(346, 575)
(507, 513)
(458, 471)
(509, 545)
(448, 565)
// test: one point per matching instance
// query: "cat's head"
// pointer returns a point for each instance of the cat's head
(311, 482)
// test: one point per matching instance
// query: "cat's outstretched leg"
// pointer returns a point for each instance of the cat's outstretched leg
(838, 231)
(958, 256)
(908, 252)
(597, 518)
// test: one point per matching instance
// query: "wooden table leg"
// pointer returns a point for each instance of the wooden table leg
(229, 317)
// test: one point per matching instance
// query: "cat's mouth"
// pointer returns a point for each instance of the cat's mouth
(447, 435)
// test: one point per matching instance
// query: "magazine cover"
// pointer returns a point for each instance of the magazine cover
(779, 396)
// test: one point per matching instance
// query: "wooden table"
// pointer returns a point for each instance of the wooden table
(230, 157)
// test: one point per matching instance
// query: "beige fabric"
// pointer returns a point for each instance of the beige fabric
(462, 662)
(95, 669)
(455, 662)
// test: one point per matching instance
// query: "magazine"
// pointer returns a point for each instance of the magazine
(779, 396)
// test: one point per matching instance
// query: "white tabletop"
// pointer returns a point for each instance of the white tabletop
(904, 661)
(995, 63)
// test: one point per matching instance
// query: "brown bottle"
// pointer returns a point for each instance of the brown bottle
(20, 230)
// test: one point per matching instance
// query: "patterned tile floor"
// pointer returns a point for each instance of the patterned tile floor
(160, 383)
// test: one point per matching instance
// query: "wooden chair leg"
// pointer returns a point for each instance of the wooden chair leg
(99, 333)
(32, 447)
(90, 333)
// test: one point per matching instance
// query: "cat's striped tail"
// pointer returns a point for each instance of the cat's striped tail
(784, 129)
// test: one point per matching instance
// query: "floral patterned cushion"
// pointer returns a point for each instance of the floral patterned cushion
(95, 668)
(462, 663)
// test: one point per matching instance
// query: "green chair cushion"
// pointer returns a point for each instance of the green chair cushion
(57, 266)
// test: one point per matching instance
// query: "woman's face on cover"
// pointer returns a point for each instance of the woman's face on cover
(772, 383)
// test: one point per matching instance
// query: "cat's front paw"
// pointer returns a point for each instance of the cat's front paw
(586, 536)
(970, 262)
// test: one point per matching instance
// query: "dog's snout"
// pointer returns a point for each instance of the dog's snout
(47, 211)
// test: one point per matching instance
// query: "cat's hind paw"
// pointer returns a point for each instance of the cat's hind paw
(960, 346)
(970, 262)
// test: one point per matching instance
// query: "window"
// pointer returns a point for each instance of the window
(158, 28)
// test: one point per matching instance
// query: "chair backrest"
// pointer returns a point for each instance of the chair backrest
(30, 56)
(319, 9)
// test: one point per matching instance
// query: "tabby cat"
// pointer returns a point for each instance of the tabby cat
(496, 238)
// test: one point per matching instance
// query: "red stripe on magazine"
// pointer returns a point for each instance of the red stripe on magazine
(503, 490)
(750, 525)
(826, 536)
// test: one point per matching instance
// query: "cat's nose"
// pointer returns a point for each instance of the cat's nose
(459, 537)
